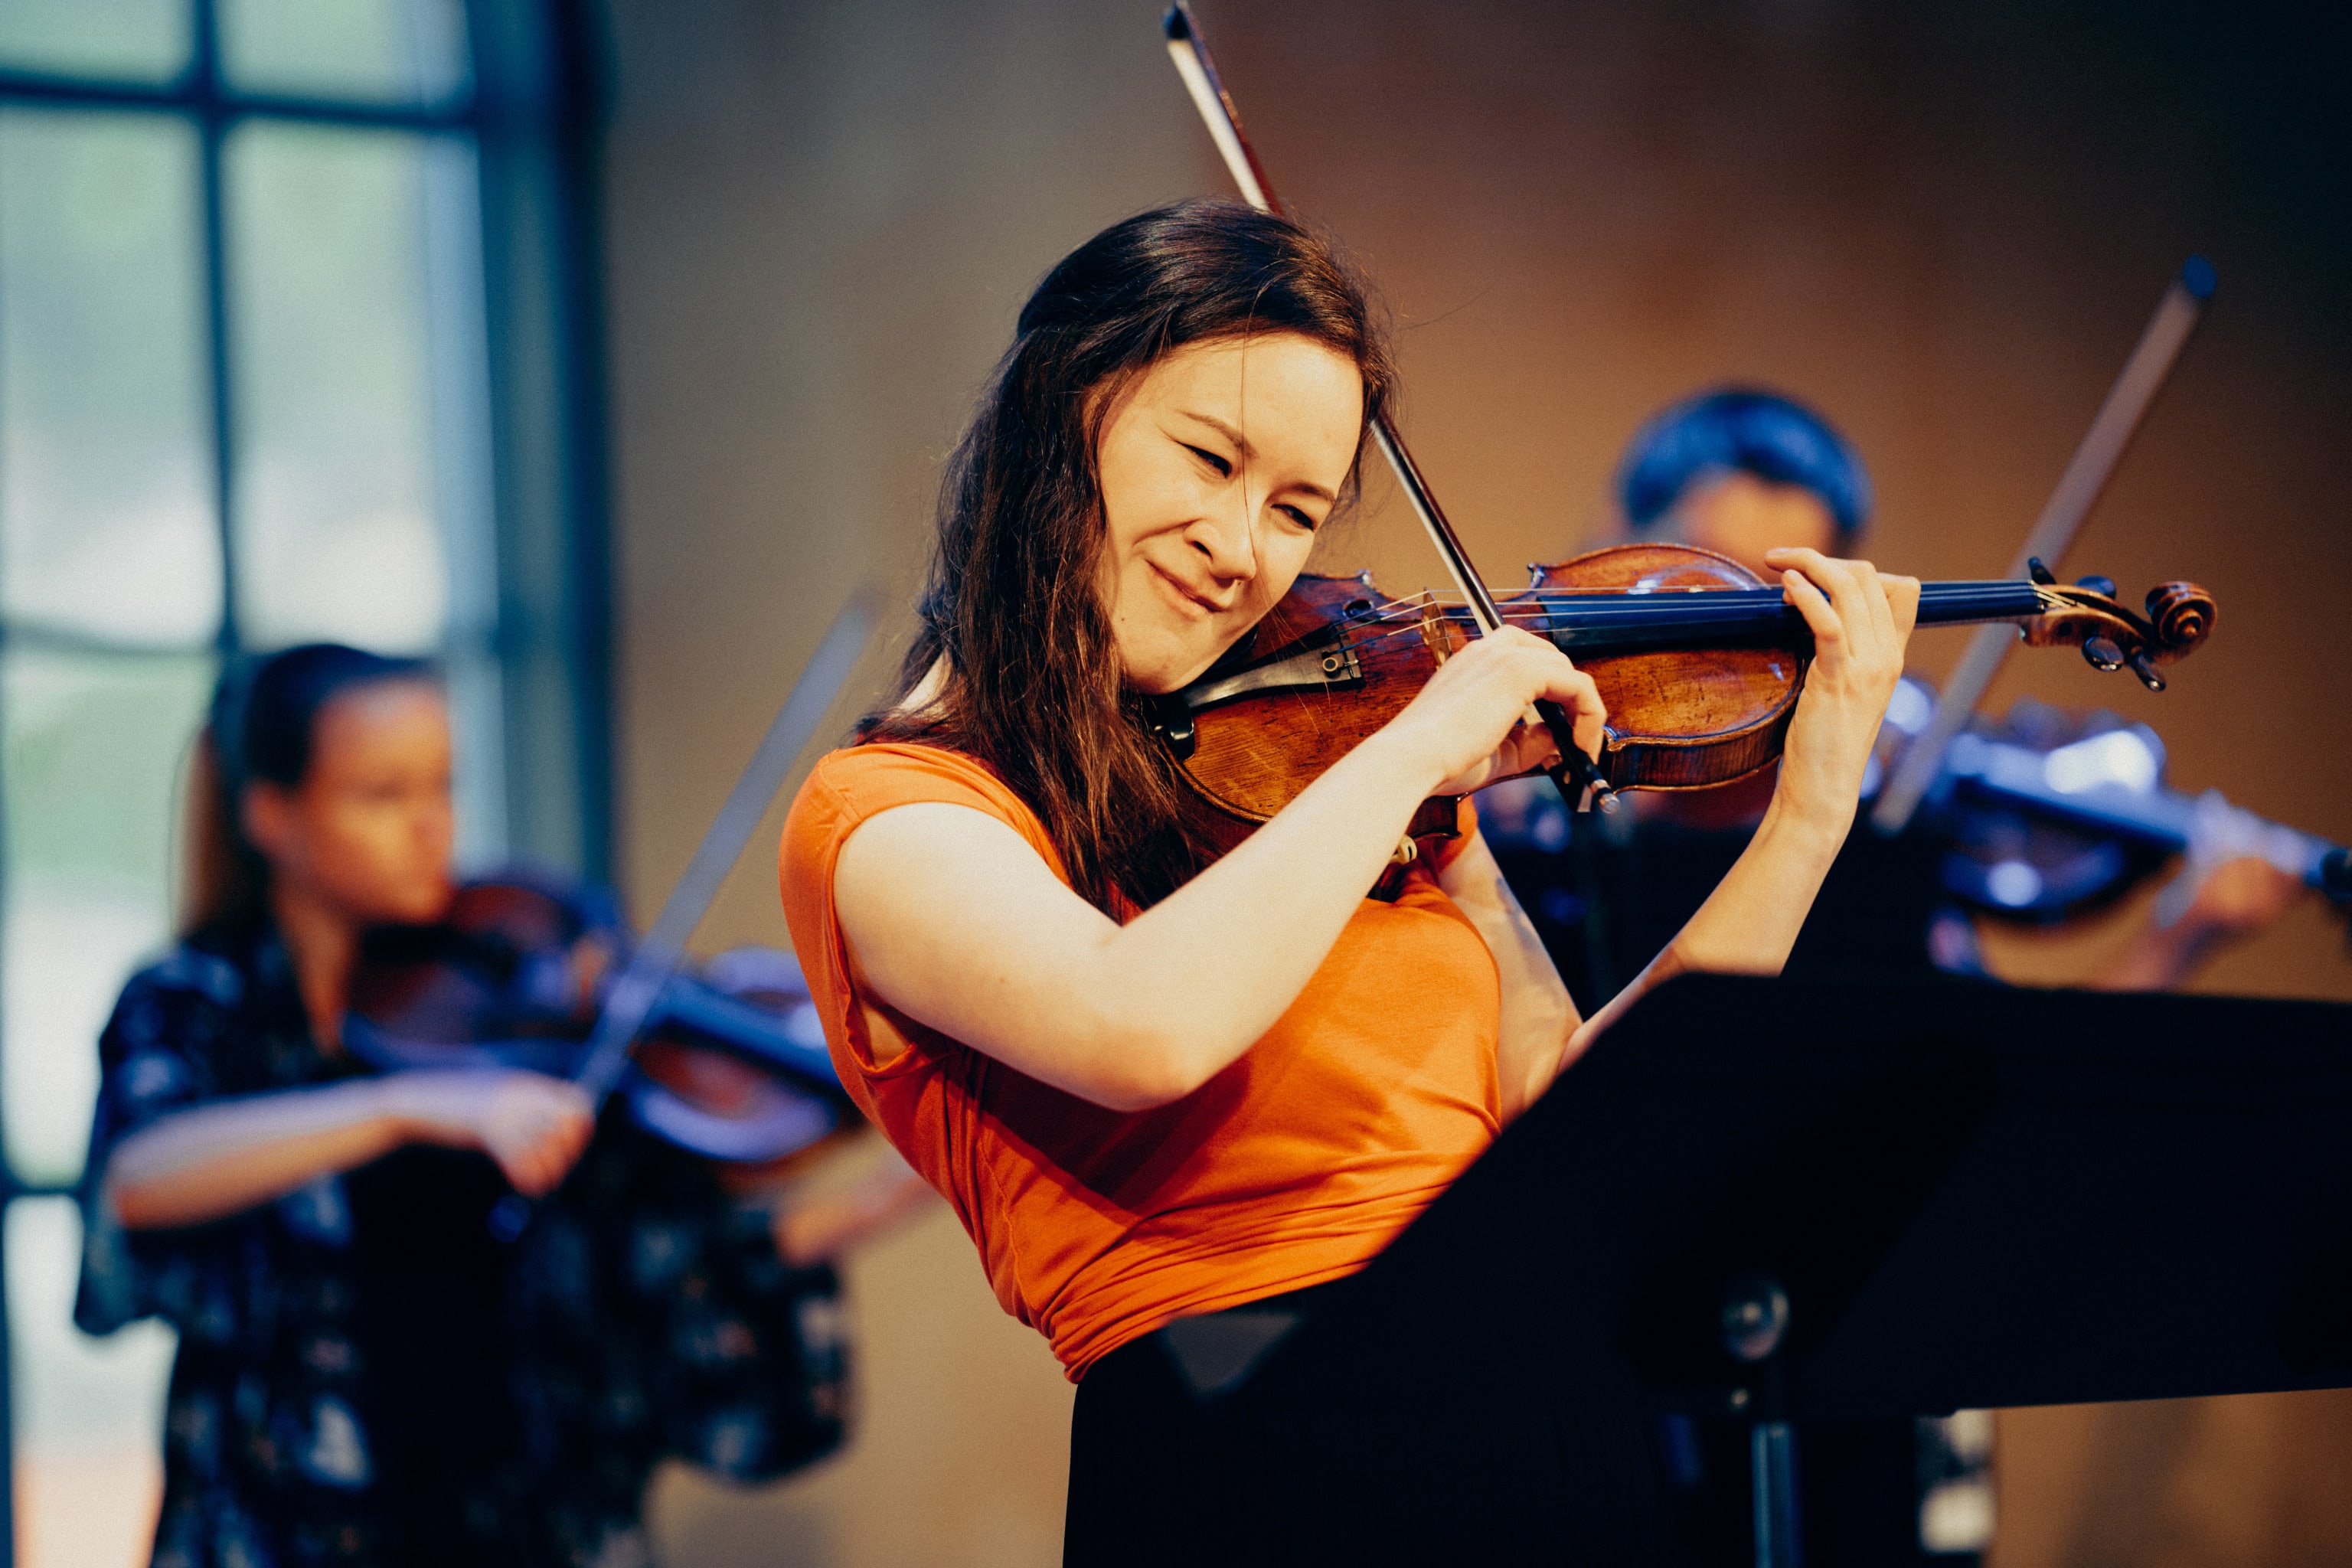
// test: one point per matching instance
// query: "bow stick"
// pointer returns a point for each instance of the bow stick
(1579, 784)
(630, 1003)
(2086, 475)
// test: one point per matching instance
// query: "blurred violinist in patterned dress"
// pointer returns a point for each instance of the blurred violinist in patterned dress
(365, 1375)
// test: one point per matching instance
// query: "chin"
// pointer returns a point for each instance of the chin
(418, 905)
(1174, 665)
(1159, 680)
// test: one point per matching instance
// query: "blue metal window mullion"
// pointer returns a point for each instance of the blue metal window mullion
(215, 109)
(212, 129)
(9, 1192)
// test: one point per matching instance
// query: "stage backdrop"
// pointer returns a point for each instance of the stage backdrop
(1944, 226)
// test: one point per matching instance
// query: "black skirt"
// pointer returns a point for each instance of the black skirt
(1307, 1462)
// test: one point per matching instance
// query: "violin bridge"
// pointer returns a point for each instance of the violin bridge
(1433, 632)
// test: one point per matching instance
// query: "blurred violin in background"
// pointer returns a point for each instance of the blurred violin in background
(2050, 813)
(730, 1063)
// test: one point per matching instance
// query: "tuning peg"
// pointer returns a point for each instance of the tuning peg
(2147, 672)
(2039, 572)
(2336, 875)
(2097, 584)
(2103, 652)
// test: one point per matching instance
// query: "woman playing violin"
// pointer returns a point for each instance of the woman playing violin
(364, 1375)
(1155, 1080)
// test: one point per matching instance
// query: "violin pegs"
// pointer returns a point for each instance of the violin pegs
(2039, 572)
(2103, 652)
(2147, 671)
(2097, 584)
(2336, 875)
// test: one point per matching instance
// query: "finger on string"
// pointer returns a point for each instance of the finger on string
(1814, 606)
(1873, 597)
(1850, 591)
(1906, 615)
(1882, 613)
(1846, 586)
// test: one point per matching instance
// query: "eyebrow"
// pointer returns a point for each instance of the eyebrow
(1241, 443)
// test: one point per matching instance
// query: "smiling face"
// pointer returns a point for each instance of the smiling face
(1217, 466)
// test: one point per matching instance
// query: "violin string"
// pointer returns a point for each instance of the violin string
(1691, 609)
(1552, 616)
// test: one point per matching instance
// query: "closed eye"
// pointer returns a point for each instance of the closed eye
(1225, 469)
(1298, 517)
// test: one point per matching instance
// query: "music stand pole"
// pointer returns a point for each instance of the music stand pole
(1755, 1326)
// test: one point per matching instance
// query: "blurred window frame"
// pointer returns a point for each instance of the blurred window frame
(531, 106)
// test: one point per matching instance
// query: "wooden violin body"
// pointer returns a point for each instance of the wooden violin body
(1680, 718)
(1700, 664)
(730, 1063)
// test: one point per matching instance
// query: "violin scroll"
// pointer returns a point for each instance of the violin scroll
(2182, 614)
(2086, 616)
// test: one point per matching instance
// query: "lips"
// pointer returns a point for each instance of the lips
(1191, 602)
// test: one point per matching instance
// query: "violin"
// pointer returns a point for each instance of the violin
(1699, 661)
(2049, 815)
(730, 1063)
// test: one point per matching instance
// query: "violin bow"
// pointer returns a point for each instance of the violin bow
(638, 989)
(2094, 463)
(1577, 781)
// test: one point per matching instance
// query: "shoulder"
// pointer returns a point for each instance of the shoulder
(874, 778)
(171, 1018)
(195, 970)
(850, 787)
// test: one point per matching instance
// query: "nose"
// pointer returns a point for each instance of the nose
(1227, 542)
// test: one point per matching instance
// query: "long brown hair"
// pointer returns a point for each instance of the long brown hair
(1012, 614)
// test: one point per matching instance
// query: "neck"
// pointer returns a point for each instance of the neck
(323, 942)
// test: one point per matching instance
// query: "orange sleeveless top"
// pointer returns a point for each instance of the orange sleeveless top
(1292, 1167)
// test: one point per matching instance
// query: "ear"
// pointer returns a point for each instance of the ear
(266, 814)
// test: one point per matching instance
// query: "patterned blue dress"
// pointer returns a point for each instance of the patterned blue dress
(364, 1378)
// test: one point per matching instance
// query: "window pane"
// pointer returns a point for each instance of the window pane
(478, 730)
(92, 749)
(406, 51)
(88, 1413)
(359, 347)
(132, 40)
(106, 514)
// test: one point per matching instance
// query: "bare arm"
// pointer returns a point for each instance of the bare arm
(2241, 876)
(213, 1161)
(1538, 1017)
(953, 919)
(822, 1226)
(1861, 623)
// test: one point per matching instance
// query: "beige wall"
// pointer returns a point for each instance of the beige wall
(1945, 227)
(821, 220)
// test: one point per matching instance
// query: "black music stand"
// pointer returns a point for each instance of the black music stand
(1961, 1196)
